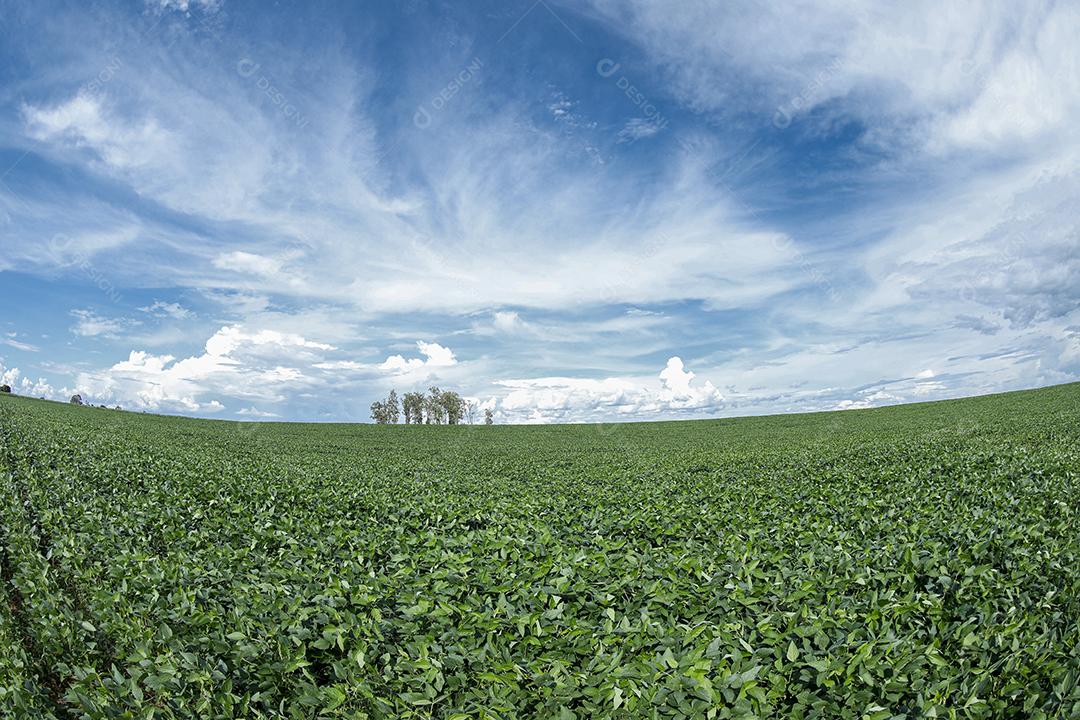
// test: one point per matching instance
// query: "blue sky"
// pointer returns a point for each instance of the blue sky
(566, 210)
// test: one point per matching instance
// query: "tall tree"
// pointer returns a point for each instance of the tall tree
(378, 412)
(433, 406)
(413, 405)
(453, 406)
(489, 417)
(391, 408)
(386, 412)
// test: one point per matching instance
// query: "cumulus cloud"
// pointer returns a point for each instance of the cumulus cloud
(231, 339)
(254, 369)
(22, 385)
(565, 399)
(255, 412)
(435, 356)
(678, 391)
(236, 362)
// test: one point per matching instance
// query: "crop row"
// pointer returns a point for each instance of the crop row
(913, 562)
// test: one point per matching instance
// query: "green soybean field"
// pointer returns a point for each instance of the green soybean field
(906, 562)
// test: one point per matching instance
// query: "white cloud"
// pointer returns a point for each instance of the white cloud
(11, 341)
(176, 311)
(21, 385)
(241, 303)
(183, 6)
(245, 262)
(238, 363)
(507, 321)
(257, 368)
(435, 356)
(9, 376)
(473, 231)
(974, 73)
(231, 338)
(255, 412)
(90, 324)
(496, 211)
(83, 122)
(929, 388)
(564, 399)
(344, 365)
(678, 391)
(639, 129)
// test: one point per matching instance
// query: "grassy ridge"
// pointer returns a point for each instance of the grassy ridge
(915, 561)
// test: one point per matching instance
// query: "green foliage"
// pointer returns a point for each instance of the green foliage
(918, 561)
(387, 412)
(412, 405)
(453, 406)
(438, 407)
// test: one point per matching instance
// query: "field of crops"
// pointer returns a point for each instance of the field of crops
(917, 561)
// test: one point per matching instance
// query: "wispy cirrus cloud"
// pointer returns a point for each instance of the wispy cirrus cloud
(89, 324)
(809, 205)
(12, 341)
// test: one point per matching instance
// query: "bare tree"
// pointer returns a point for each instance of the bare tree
(470, 411)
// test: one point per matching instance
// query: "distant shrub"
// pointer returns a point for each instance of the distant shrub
(5, 389)
(76, 400)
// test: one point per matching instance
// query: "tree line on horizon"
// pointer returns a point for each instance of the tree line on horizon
(435, 407)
